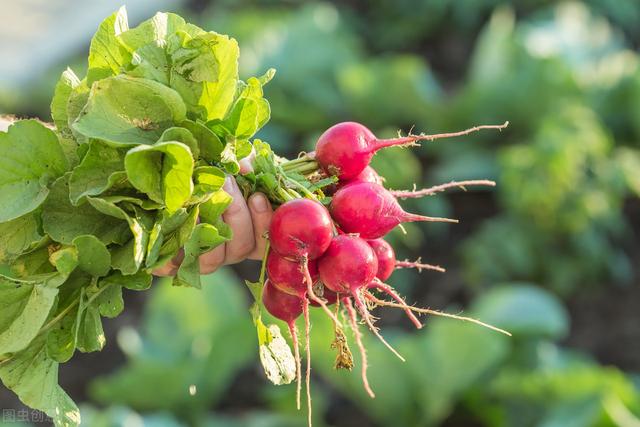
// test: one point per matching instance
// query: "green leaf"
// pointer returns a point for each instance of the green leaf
(162, 171)
(18, 235)
(64, 222)
(129, 257)
(90, 333)
(62, 338)
(125, 110)
(208, 180)
(93, 255)
(33, 376)
(523, 310)
(23, 309)
(205, 237)
(211, 209)
(65, 260)
(110, 302)
(140, 281)
(61, 96)
(165, 226)
(31, 160)
(105, 53)
(183, 135)
(101, 168)
(250, 112)
(209, 143)
(153, 31)
(205, 72)
(75, 105)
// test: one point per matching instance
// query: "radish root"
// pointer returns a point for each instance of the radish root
(363, 353)
(377, 284)
(417, 264)
(366, 316)
(406, 194)
(296, 349)
(404, 306)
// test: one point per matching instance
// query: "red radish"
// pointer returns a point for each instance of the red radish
(371, 211)
(387, 260)
(368, 174)
(286, 308)
(347, 267)
(289, 276)
(413, 194)
(301, 230)
(345, 149)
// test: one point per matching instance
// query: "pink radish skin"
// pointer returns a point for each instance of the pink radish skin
(345, 149)
(368, 174)
(371, 211)
(287, 308)
(348, 265)
(288, 276)
(386, 258)
(301, 228)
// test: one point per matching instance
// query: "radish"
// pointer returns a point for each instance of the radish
(347, 267)
(387, 262)
(345, 149)
(287, 308)
(301, 230)
(288, 276)
(368, 174)
(371, 211)
(386, 258)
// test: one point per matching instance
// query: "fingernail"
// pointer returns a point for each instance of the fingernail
(259, 203)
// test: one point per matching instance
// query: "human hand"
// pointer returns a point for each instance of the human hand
(249, 221)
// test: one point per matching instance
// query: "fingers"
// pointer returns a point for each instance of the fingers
(238, 218)
(261, 213)
(249, 225)
(212, 260)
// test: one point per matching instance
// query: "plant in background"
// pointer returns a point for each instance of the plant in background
(562, 196)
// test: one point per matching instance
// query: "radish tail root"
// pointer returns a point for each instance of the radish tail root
(413, 194)
(417, 264)
(409, 217)
(367, 318)
(413, 139)
(296, 350)
(307, 337)
(377, 284)
(363, 353)
(404, 306)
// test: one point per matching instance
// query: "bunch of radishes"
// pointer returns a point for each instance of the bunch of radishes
(323, 256)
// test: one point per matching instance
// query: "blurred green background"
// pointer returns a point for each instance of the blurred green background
(552, 253)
